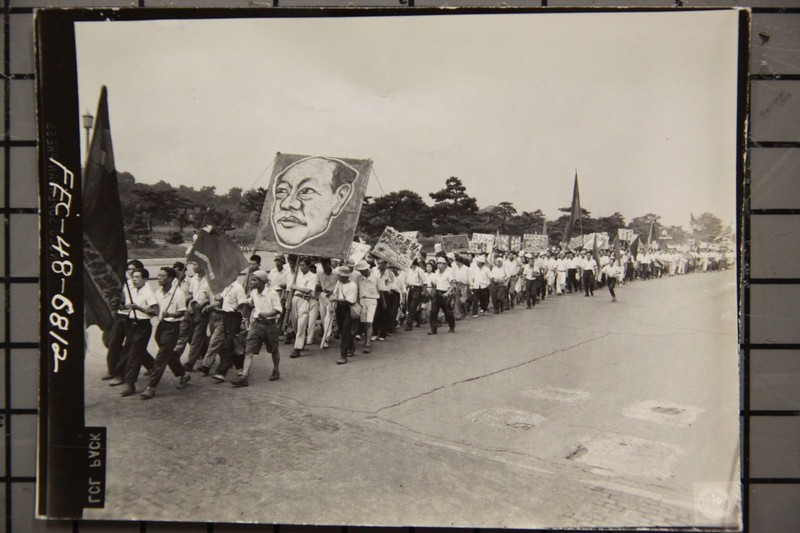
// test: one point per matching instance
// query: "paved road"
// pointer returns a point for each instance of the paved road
(579, 412)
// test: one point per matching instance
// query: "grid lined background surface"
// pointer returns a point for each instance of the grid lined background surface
(770, 398)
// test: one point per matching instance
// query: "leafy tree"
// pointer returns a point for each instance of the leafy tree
(138, 230)
(253, 199)
(453, 211)
(708, 229)
(403, 210)
(641, 226)
(611, 224)
(526, 222)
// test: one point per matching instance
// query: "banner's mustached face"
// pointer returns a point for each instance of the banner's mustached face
(308, 195)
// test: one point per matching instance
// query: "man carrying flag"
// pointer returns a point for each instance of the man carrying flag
(218, 262)
(105, 252)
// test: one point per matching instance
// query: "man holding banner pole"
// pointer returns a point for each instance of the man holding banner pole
(199, 310)
(303, 292)
(416, 280)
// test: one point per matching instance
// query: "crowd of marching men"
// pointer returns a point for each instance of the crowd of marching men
(306, 301)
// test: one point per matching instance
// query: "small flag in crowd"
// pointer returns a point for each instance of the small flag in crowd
(635, 247)
(221, 259)
(650, 233)
(595, 252)
(105, 252)
(575, 213)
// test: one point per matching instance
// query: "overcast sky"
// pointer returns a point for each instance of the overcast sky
(643, 105)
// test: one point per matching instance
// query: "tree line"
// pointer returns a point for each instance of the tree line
(452, 212)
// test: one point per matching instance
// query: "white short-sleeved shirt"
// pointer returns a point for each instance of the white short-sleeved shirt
(416, 277)
(201, 291)
(265, 301)
(348, 291)
(232, 297)
(172, 301)
(306, 281)
(442, 281)
(499, 274)
(144, 297)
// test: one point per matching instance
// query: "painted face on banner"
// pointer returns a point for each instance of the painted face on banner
(309, 194)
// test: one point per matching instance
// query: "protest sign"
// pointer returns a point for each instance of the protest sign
(358, 251)
(535, 243)
(455, 243)
(396, 249)
(516, 243)
(481, 243)
(625, 234)
(502, 242)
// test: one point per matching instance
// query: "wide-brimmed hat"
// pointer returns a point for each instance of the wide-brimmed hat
(343, 270)
(451, 255)
(362, 265)
(260, 275)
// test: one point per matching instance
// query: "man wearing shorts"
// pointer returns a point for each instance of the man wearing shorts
(264, 324)
(368, 298)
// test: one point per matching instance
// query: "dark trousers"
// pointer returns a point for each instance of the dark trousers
(393, 302)
(199, 342)
(383, 314)
(439, 302)
(540, 287)
(122, 364)
(413, 301)
(529, 292)
(166, 338)
(573, 285)
(345, 323)
(137, 335)
(588, 282)
(612, 282)
(114, 342)
(499, 296)
(231, 324)
(480, 297)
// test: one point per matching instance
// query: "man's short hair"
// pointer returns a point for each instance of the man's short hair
(170, 272)
(177, 265)
(135, 263)
(143, 271)
(342, 174)
(256, 258)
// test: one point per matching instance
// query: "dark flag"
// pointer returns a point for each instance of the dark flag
(693, 225)
(575, 213)
(221, 259)
(635, 247)
(105, 253)
(595, 252)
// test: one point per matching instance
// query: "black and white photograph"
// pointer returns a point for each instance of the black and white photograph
(456, 268)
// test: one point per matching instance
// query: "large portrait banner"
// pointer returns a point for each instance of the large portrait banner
(312, 205)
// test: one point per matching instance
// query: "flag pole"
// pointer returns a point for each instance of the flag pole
(130, 297)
